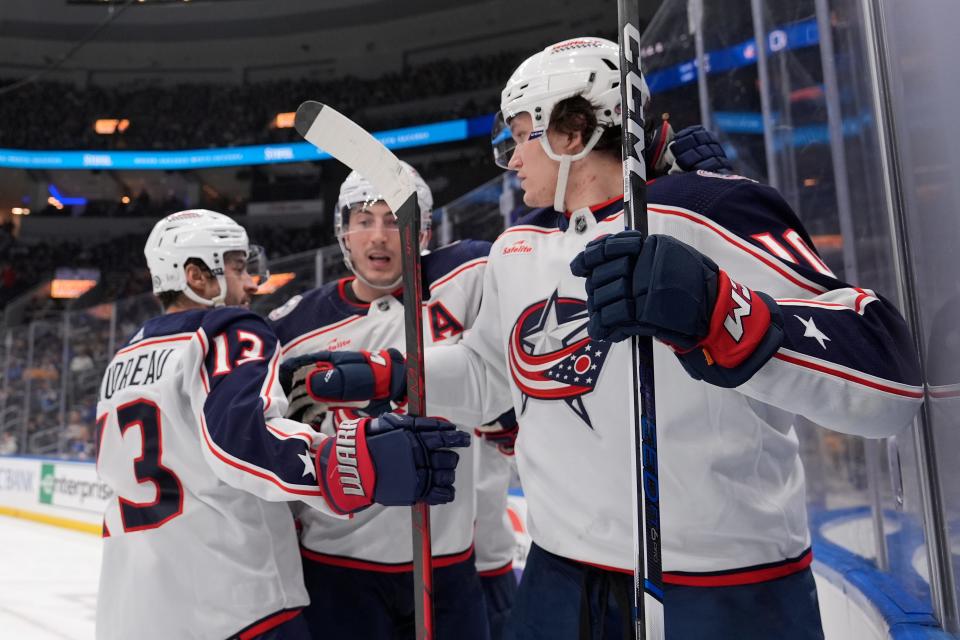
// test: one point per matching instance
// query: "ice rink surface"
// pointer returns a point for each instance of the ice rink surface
(48, 581)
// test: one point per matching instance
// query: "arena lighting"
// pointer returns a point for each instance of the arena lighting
(274, 282)
(284, 120)
(62, 199)
(20, 211)
(125, 199)
(110, 126)
(73, 283)
(56, 204)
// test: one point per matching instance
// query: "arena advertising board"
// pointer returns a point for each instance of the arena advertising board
(67, 489)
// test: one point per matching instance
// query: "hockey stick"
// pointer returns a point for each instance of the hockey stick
(648, 582)
(349, 143)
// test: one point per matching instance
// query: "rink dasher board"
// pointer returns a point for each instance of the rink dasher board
(64, 493)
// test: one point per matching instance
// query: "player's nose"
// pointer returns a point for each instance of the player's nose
(515, 162)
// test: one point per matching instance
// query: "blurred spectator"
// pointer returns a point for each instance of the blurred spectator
(78, 440)
(8, 443)
(81, 362)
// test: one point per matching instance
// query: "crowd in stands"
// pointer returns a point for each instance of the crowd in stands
(56, 115)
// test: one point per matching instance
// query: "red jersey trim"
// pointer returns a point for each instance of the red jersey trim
(383, 567)
(597, 207)
(254, 471)
(274, 364)
(808, 362)
(737, 577)
(470, 265)
(314, 334)
(263, 625)
(796, 279)
(530, 229)
(491, 573)
(296, 435)
(150, 343)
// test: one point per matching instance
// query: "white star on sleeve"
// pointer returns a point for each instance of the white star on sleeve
(811, 331)
(307, 464)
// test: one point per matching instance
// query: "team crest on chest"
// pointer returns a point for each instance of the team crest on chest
(551, 356)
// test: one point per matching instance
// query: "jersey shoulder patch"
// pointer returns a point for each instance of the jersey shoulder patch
(310, 311)
(722, 176)
(285, 308)
(169, 324)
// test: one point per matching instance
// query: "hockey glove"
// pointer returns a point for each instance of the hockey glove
(696, 148)
(660, 287)
(501, 433)
(392, 460)
(362, 380)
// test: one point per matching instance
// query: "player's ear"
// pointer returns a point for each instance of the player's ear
(565, 142)
(201, 280)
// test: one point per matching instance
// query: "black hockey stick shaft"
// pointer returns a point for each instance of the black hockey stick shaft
(409, 224)
(648, 582)
(349, 143)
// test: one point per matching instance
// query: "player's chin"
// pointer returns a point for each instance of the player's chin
(380, 279)
(536, 200)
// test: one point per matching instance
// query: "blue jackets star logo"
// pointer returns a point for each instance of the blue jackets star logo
(551, 357)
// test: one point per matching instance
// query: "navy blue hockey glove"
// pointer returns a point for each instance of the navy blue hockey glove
(695, 148)
(366, 381)
(393, 460)
(502, 432)
(660, 287)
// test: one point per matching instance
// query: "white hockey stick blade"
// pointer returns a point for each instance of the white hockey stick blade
(326, 128)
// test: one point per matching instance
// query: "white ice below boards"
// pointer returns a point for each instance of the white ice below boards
(48, 581)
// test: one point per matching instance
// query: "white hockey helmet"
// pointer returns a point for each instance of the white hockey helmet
(357, 193)
(201, 234)
(588, 67)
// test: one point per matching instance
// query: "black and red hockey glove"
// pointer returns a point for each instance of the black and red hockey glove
(501, 433)
(392, 460)
(722, 331)
(366, 381)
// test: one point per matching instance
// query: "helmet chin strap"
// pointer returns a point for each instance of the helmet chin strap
(565, 161)
(216, 301)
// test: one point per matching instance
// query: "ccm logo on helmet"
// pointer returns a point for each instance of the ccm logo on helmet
(733, 323)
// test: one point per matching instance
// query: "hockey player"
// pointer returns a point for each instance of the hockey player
(365, 563)
(736, 546)
(193, 442)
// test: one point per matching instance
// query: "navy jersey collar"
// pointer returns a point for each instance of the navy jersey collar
(600, 211)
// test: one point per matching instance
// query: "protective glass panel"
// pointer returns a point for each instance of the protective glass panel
(798, 114)
(922, 49)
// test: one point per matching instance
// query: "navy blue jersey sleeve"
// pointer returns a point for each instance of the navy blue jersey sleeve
(235, 390)
(445, 261)
(847, 361)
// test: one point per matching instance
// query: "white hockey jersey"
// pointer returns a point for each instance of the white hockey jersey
(380, 538)
(199, 541)
(731, 481)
